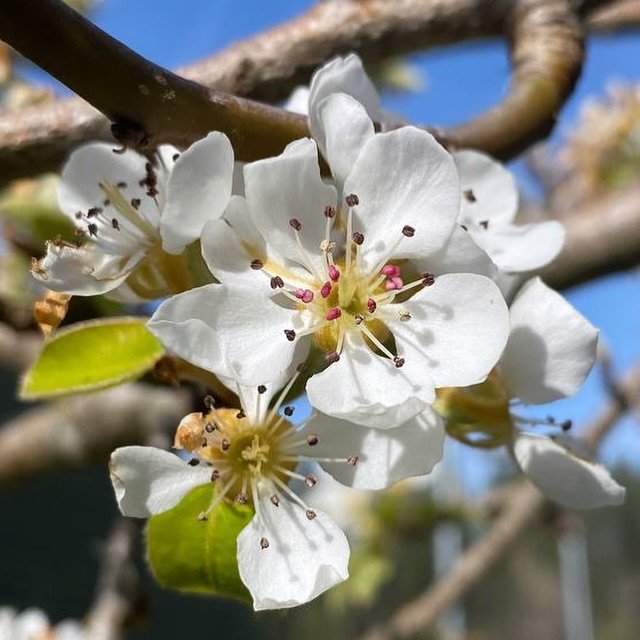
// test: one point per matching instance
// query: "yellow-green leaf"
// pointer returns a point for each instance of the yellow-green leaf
(198, 556)
(92, 355)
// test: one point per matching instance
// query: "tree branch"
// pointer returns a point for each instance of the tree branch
(521, 509)
(269, 65)
(84, 429)
(603, 237)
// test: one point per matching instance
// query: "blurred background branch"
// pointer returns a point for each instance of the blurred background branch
(520, 509)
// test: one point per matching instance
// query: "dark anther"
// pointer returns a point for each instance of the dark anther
(276, 282)
(264, 543)
(115, 224)
(275, 501)
(121, 185)
(398, 361)
(312, 439)
(129, 134)
(469, 195)
(256, 264)
(93, 212)
(428, 279)
(359, 319)
(261, 389)
(241, 414)
(310, 514)
(135, 203)
(484, 224)
(371, 305)
(194, 462)
(358, 237)
(408, 231)
(329, 212)
(310, 480)
(215, 474)
(225, 444)
(241, 498)
(93, 229)
(566, 425)
(175, 156)
(353, 460)
(209, 402)
(331, 357)
(209, 427)
(464, 227)
(106, 202)
(295, 224)
(352, 200)
(288, 411)
(291, 334)
(78, 215)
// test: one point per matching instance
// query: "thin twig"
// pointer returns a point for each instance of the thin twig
(521, 508)
(116, 587)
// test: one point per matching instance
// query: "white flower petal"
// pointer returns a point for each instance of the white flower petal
(551, 347)
(563, 477)
(288, 187)
(198, 190)
(82, 271)
(234, 332)
(304, 557)
(347, 129)
(96, 162)
(517, 248)
(341, 75)
(493, 196)
(457, 331)
(298, 101)
(147, 480)
(460, 255)
(29, 625)
(384, 456)
(368, 389)
(403, 178)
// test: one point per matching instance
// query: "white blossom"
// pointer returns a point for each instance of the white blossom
(135, 215)
(289, 553)
(301, 261)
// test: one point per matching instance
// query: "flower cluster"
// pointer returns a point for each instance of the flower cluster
(387, 278)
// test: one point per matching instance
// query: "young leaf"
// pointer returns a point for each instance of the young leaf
(198, 556)
(92, 355)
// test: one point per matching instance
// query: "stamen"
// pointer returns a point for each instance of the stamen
(329, 212)
(371, 305)
(325, 292)
(358, 238)
(256, 264)
(352, 200)
(276, 282)
(333, 314)
(264, 543)
(408, 231)
(218, 498)
(291, 334)
(334, 273)
(378, 344)
(294, 223)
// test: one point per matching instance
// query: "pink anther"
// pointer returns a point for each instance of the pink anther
(333, 314)
(307, 296)
(334, 274)
(393, 283)
(391, 270)
(326, 290)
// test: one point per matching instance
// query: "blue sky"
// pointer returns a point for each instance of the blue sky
(460, 82)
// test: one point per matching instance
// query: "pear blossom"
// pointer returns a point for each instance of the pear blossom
(290, 552)
(32, 624)
(550, 351)
(302, 261)
(134, 216)
(490, 196)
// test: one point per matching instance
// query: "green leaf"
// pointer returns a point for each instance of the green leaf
(92, 355)
(198, 556)
(42, 221)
